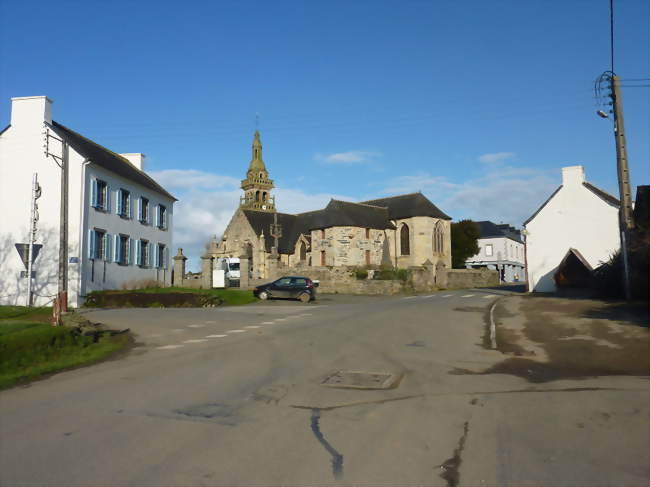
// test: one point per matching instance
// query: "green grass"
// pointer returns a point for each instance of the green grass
(30, 347)
(229, 296)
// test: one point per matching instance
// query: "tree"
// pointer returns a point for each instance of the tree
(464, 242)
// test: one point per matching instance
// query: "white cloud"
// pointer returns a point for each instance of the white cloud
(496, 157)
(350, 157)
(192, 179)
(501, 194)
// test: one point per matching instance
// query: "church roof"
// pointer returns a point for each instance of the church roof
(408, 205)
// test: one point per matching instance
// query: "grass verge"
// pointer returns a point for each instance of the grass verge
(232, 297)
(30, 348)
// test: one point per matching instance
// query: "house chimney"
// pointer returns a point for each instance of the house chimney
(135, 158)
(30, 112)
(572, 175)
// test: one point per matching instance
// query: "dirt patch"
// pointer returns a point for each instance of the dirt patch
(558, 338)
(119, 299)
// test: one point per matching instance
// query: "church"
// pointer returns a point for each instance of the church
(397, 231)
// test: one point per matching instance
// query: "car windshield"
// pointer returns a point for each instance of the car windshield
(234, 266)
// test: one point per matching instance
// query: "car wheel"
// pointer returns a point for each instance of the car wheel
(263, 295)
(304, 297)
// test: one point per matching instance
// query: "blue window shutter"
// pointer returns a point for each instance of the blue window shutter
(91, 244)
(116, 249)
(137, 252)
(139, 208)
(119, 202)
(165, 257)
(93, 192)
(130, 250)
(107, 247)
(151, 252)
(155, 215)
(107, 200)
(130, 206)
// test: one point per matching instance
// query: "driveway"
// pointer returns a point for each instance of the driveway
(234, 397)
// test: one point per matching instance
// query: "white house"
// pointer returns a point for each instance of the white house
(120, 219)
(500, 248)
(578, 223)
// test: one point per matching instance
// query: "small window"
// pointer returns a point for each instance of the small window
(299, 281)
(405, 240)
(123, 250)
(124, 203)
(161, 217)
(367, 233)
(97, 245)
(143, 215)
(488, 250)
(161, 259)
(100, 195)
(284, 281)
(322, 258)
(367, 257)
(322, 233)
(143, 253)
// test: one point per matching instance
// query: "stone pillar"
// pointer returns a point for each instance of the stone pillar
(441, 275)
(179, 268)
(244, 276)
(429, 272)
(206, 271)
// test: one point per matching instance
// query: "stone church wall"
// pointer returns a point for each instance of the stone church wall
(347, 246)
(421, 232)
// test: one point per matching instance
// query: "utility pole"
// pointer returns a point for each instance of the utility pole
(625, 211)
(61, 303)
(36, 194)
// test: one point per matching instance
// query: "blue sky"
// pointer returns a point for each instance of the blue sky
(477, 104)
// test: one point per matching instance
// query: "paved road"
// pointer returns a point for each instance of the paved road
(232, 397)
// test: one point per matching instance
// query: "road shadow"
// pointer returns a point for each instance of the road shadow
(631, 313)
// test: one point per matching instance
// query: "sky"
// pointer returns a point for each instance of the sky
(476, 104)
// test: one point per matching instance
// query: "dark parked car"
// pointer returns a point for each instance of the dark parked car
(294, 287)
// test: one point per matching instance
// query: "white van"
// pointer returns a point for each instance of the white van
(230, 266)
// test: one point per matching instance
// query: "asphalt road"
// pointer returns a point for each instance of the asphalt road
(233, 397)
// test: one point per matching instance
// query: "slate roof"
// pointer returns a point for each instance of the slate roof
(335, 214)
(107, 159)
(492, 230)
(408, 205)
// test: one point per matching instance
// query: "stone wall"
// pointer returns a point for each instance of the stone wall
(466, 278)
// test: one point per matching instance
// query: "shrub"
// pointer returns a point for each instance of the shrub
(361, 274)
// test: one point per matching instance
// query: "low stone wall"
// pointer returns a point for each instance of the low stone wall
(367, 287)
(466, 278)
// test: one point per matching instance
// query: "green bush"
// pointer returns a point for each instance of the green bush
(361, 274)
(388, 274)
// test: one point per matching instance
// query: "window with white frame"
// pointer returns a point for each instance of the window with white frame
(143, 210)
(489, 251)
(100, 195)
(124, 203)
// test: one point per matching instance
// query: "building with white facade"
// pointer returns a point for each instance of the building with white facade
(120, 219)
(500, 248)
(577, 226)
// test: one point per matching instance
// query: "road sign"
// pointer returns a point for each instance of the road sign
(23, 251)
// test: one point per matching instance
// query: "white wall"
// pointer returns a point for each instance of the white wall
(503, 249)
(21, 154)
(574, 218)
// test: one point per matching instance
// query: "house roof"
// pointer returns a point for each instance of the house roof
(408, 205)
(492, 230)
(107, 159)
(604, 195)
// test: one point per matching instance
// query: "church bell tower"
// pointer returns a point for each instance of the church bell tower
(257, 186)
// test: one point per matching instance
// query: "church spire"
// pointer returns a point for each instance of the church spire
(257, 186)
(257, 163)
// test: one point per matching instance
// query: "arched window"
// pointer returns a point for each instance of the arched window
(438, 239)
(257, 195)
(405, 240)
(303, 252)
(264, 196)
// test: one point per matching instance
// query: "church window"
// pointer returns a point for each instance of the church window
(322, 257)
(303, 252)
(264, 196)
(438, 239)
(405, 240)
(367, 233)
(257, 195)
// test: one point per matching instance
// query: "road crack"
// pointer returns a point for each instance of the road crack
(450, 467)
(337, 458)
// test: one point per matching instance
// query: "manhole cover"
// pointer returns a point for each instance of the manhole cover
(361, 380)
